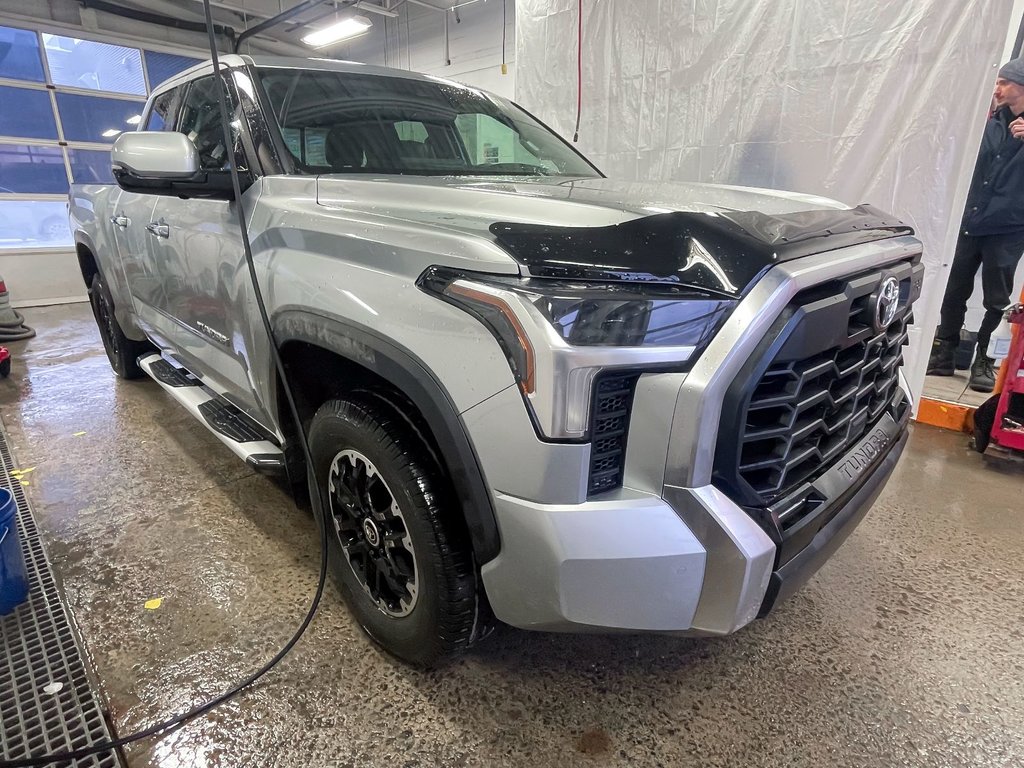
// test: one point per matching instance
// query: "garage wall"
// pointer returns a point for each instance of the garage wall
(415, 40)
(876, 102)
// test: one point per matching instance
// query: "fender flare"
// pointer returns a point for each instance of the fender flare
(400, 367)
(85, 240)
(123, 308)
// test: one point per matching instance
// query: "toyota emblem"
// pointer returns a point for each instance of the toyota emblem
(886, 303)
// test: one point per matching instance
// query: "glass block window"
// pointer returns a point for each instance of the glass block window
(163, 66)
(94, 66)
(19, 55)
(96, 119)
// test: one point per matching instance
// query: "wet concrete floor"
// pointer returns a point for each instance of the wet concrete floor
(907, 649)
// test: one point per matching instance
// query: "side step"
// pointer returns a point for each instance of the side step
(246, 439)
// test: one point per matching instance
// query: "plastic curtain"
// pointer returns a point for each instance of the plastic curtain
(879, 102)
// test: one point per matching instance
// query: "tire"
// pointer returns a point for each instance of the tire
(426, 606)
(122, 352)
(984, 420)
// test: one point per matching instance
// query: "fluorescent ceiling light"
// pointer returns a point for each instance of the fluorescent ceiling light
(134, 120)
(111, 132)
(350, 27)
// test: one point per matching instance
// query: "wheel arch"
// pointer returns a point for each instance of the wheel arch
(347, 357)
(86, 262)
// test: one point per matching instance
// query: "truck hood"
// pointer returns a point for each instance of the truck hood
(714, 237)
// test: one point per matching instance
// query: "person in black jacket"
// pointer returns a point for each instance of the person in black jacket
(991, 233)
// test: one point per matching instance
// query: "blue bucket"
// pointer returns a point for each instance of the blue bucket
(13, 576)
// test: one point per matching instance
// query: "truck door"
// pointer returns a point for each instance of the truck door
(132, 211)
(207, 317)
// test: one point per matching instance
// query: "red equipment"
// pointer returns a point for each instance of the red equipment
(999, 423)
(5, 359)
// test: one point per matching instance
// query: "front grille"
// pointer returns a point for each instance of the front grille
(609, 425)
(823, 379)
(804, 414)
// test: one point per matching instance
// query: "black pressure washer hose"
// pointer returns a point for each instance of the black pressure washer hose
(176, 722)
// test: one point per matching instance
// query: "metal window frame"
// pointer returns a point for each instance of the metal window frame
(64, 30)
(32, 24)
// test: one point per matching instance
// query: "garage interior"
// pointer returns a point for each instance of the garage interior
(164, 570)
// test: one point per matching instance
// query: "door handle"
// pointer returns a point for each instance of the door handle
(158, 228)
(120, 220)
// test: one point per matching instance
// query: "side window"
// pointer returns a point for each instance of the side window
(165, 109)
(200, 121)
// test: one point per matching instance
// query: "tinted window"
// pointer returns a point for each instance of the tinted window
(165, 108)
(19, 55)
(489, 142)
(163, 66)
(26, 113)
(93, 118)
(200, 121)
(307, 144)
(378, 124)
(92, 65)
(27, 170)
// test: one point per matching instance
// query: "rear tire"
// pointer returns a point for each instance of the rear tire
(400, 551)
(122, 352)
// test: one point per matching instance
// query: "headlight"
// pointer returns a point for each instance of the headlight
(559, 335)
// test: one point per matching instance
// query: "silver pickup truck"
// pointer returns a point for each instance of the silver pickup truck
(531, 392)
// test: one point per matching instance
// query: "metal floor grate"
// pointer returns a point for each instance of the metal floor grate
(38, 646)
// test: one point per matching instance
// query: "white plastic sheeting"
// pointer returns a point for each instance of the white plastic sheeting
(879, 102)
(415, 40)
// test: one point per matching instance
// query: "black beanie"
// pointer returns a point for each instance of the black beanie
(1013, 71)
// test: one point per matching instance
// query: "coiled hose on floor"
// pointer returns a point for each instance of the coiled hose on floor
(15, 330)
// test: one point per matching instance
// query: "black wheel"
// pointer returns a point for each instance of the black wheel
(121, 351)
(984, 420)
(400, 551)
(5, 368)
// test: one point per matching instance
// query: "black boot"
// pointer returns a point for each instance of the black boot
(943, 358)
(983, 377)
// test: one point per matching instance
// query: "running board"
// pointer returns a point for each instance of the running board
(242, 435)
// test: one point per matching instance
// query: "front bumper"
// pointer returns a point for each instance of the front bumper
(670, 551)
(689, 562)
(849, 509)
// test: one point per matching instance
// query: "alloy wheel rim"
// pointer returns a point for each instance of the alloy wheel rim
(373, 533)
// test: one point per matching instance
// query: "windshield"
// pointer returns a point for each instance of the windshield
(344, 122)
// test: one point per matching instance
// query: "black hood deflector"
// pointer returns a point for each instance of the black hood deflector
(721, 252)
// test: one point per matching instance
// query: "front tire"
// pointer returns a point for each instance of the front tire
(399, 549)
(122, 352)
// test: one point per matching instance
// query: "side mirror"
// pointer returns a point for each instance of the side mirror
(164, 163)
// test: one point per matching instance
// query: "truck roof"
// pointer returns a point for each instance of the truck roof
(298, 62)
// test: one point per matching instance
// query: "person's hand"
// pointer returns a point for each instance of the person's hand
(1017, 128)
